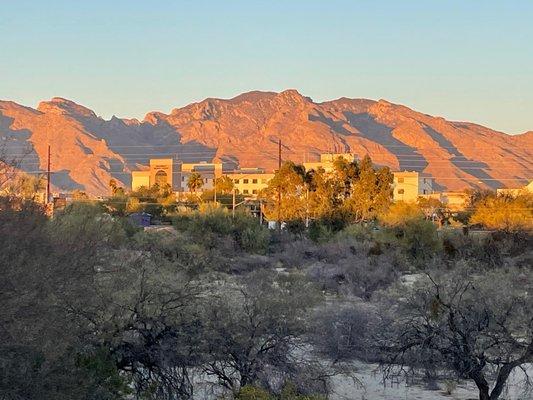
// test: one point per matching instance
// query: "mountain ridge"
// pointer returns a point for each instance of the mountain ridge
(88, 150)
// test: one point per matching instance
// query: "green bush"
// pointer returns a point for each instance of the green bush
(319, 232)
(211, 224)
(359, 232)
(249, 392)
(417, 238)
(249, 235)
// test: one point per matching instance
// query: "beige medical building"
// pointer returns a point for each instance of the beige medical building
(327, 159)
(250, 181)
(209, 172)
(409, 185)
(160, 172)
(167, 171)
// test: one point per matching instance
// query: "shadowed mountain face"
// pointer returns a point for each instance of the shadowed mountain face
(88, 151)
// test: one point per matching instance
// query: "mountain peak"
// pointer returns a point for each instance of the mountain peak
(292, 96)
(60, 105)
(253, 96)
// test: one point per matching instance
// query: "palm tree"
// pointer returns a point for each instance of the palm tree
(195, 182)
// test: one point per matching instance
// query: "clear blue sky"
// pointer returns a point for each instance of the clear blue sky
(466, 60)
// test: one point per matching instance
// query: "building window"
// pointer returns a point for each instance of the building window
(400, 180)
(400, 191)
(236, 181)
(245, 191)
(424, 191)
(254, 191)
(254, 180)
(425, 180)
(245, 181)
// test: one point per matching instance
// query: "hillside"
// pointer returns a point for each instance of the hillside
(87, 150)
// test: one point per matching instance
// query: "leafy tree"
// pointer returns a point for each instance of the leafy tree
(115, 189)
(505, 213)
(372, 193)
(224, 184)
(116, 205)
(290, 183)
(477, 326)
(432, 208)
(48, 270)
(400, 213)
(351, 192)
(195, 182)
(79, 195)
(252, 331)
(347, 173)
(9, 167)
(25, 186)
(324, 198)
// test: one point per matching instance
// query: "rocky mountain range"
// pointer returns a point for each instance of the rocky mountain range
(87, 151)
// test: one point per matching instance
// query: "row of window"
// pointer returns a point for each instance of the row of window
(401, 191)
(206, 180)
(246, 191)
(263, 181)
(401, 180)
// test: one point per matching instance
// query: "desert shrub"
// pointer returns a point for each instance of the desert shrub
(82, 224)
(213, 226)
(356, 275)
(176, 248)
(296, 227)
(250, 392)
(249, 235)
(291, 391)
(359, 232)
(342, 332)
(488, 248)
(398, 214)
(319, 232)
(405, 226)
(505, 213)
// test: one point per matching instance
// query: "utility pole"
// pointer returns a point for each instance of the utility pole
(48, 178)
(215, 187)
(279, 186)
(233, 204)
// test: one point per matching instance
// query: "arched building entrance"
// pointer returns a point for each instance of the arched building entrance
(161, 178)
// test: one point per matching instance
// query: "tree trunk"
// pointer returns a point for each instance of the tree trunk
(481, 384)
(505, 371)
(484, 393)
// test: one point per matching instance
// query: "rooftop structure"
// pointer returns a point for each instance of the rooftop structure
(513, 192)
(327, 160)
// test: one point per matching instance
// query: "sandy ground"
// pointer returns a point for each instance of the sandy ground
(373, 389)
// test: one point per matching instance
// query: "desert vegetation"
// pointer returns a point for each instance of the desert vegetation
(218, 306)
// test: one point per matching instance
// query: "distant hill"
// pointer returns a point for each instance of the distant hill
(87, 151)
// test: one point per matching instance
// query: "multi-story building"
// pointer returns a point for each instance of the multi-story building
(176, 174)
(161, 171)
(409, 185)
(209, 172)
(327, 160)
(250, 181)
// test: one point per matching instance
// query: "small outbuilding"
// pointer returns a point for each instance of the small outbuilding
(141, 219)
